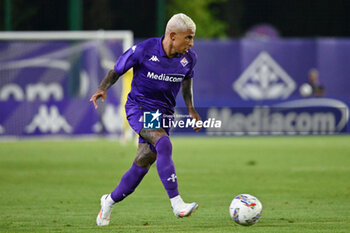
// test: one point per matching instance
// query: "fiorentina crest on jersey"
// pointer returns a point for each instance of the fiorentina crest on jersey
(184, 62)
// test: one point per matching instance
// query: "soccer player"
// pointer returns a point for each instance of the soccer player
(161, 66)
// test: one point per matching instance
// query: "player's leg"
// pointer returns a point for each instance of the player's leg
(166, 170)
(165, 166)
(144, 159)
(131, 179)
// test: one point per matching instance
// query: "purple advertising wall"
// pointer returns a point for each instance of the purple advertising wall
(45, 88)
(251, 86)
(274, 69)
(264, 87)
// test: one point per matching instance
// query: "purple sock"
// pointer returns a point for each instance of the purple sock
(129, 182)
(165, 166)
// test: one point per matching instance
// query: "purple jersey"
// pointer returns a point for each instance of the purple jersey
(157, 78)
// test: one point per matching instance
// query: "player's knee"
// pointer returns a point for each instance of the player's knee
(152, 136)
(144, 161)
(164, 146)
(145, 158)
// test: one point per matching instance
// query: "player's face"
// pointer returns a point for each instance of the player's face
(183, 41)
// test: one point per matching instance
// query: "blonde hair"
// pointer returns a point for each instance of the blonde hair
(180, 22)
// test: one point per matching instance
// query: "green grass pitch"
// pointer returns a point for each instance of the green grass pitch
(55, 186)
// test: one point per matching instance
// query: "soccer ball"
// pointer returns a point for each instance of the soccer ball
(245, 209)
(305, 90)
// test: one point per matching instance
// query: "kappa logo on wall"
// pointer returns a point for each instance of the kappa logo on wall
(48, 120)
(112, 120)
(264, 79)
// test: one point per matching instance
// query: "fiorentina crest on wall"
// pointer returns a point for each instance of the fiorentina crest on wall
(264, 79)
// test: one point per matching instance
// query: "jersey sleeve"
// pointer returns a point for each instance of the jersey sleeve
(129, 59)
(190, 73)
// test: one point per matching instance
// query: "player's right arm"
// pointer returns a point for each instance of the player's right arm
(106, 83)
(129, 59)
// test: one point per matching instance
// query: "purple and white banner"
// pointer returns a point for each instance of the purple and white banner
(251, 86)
(256, 71)
(45, 88)
(306, 77)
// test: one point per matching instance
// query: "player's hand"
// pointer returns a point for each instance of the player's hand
(99, 94)
(194, 114)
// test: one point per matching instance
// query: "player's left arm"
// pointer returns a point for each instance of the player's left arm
(187, 93)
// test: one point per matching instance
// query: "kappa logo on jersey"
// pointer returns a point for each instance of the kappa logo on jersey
(151, 120)
(184, 62)
(264, 79)
(48, 120)
(154, 58)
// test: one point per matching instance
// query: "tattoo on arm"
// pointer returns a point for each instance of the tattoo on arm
(109, 80)
(187, 92)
